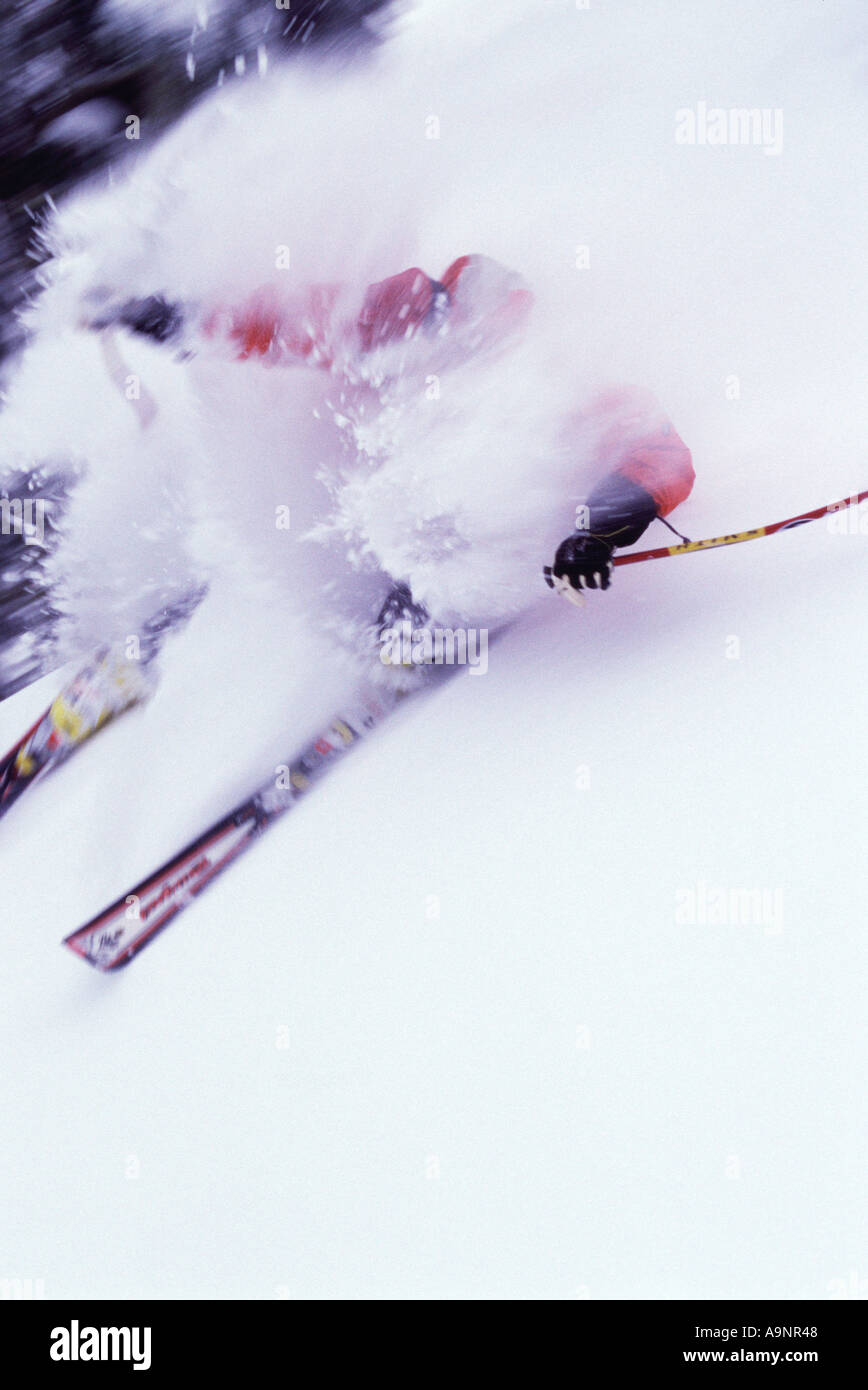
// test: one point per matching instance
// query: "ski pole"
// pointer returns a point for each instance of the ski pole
(662, 551)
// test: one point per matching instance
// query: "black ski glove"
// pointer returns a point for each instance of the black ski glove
(618, 511)
(581, 562)
(154, 316)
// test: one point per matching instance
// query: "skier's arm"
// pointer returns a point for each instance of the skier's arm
(265, 326)
(651, 479)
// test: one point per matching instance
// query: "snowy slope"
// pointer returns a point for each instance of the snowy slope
(445, 1031)
(320, 1080)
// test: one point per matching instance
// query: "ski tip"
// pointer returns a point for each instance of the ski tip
(78, 944)
(105, 949)
(105, 967)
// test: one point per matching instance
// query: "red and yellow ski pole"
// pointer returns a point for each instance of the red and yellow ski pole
(686, 547)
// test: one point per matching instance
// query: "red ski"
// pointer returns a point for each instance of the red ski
(97, 693)
(116, 935)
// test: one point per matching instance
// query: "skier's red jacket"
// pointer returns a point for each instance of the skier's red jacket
(637, 442)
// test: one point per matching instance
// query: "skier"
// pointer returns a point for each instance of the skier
(403, 324)
(477, 304)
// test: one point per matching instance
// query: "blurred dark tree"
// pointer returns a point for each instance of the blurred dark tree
(71, 71)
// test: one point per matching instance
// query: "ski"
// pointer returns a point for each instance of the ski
(116, 935)
(103, 688)
(107, 685)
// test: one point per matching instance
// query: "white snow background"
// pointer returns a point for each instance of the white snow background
(443, 1033)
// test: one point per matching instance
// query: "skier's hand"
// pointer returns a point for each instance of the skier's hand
(581, 562)
(152, 316)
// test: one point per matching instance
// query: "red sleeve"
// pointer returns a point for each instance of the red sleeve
(640, 443)
(278, 327)
(663, 466)
(304, 326)
(395, 308)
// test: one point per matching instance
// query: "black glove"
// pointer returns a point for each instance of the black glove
(617, 512)
(582, 561)
(153, 317)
